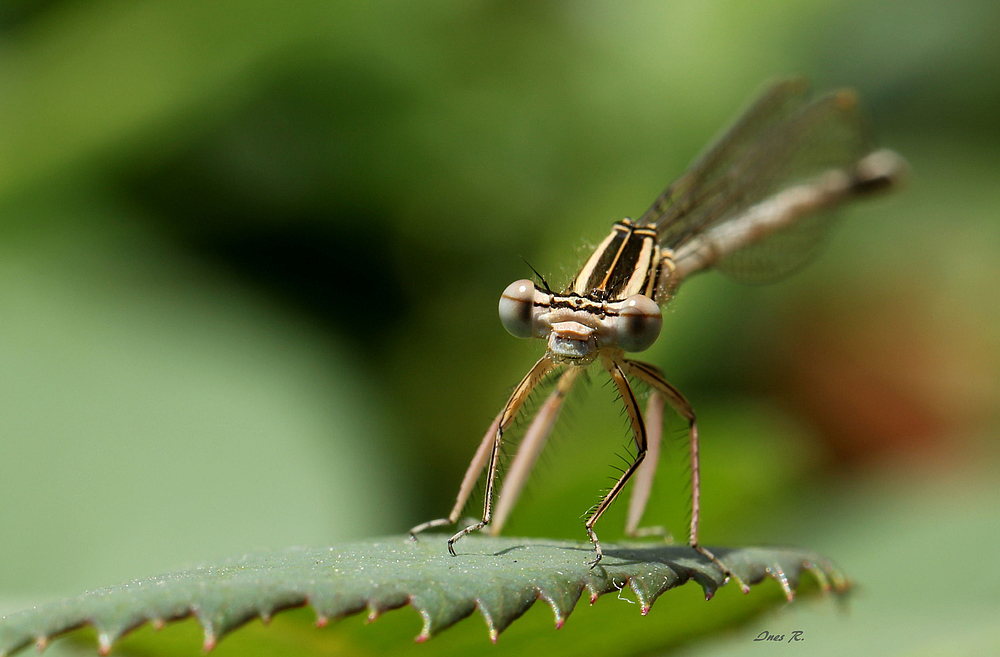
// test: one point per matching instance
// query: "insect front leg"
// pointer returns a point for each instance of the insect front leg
(468, 482)
(638, 434)
(510, 411)
(529, 449)
(652, 376)
(642, 484)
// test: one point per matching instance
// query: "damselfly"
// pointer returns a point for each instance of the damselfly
(753, 204)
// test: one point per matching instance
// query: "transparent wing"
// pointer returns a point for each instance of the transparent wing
(783, 253)
(780, 140)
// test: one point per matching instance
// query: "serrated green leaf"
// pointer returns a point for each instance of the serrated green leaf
(500, 577)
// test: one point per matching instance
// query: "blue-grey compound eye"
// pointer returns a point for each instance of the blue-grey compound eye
(639, 323)
(516, 308)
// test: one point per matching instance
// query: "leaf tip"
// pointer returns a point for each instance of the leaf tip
(841, 584)
(491, 624)
(41, 643)
(644, 610)
(322, 621)
(210, 640)
(733, 577)
(561, 609)
(789, 592)
(778, 573)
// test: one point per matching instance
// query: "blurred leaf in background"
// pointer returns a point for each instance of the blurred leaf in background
(250, 258)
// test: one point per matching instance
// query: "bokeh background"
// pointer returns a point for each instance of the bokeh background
(250, 255)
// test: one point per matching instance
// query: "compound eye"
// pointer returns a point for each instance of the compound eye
(639, 323)
(516, 308)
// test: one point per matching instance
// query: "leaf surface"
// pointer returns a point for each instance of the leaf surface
(500, 577)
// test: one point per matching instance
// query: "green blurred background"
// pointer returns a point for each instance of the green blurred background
(250, 255)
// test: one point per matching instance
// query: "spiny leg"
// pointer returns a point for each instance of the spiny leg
(642, 484)
(653, 377)
(510, 411)
(529, 449)
(639, 435)
(468, 482)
